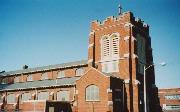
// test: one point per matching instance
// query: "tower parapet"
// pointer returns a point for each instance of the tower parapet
(112, 21)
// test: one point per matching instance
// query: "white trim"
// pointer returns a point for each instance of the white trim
(127, 81)
(133, 38)
(90, 60)
(91, 33)
(51, 93)
(127, 24)
(137, 82)
(33, 94)
(126, 38)
(112, 59)
(90, 45)
(17, 95)
(109, 90)
(135, 56)
(76, 92)
(110, 103)
(126, 55)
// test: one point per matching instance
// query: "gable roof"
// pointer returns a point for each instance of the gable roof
(44, 68)
(67, 81)
(102, 73)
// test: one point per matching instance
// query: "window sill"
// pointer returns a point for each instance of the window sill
(60, 77)
(92, 100)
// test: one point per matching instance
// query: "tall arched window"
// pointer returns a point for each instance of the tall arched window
(110, 53)
(110, 47)
(115, 45)
(92, 93)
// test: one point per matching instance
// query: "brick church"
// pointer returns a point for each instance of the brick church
(110, 80)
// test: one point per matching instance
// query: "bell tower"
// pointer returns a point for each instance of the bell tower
(121, 46)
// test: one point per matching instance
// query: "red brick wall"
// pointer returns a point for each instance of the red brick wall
(96, 78)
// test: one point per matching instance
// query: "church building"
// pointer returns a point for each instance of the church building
(110, 80)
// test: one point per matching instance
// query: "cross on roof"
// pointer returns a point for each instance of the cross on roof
(120, 9)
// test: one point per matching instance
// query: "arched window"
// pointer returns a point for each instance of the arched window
(30, 77)
(110, 47)
(79, 71)
(11, 98)
(25, 97)
(44, 76)
(43, 95)
(92, 93)
(110, 53)
(63, 96)
(61, 74)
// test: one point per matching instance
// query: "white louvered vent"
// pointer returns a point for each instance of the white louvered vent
(106, 47)
(115, 45)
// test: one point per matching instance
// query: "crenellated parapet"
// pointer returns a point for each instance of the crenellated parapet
(141, 25)
(111, 21)
(123, 19)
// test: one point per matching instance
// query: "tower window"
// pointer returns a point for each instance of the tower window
(110, 47)
(109, 67)
(110, 53)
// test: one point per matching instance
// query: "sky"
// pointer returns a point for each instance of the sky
(44, 32)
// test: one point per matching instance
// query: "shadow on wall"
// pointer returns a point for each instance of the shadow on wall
(119, 95)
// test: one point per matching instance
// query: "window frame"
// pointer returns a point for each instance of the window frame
(79, 71)
(24, 94)
(58, 98)
(90, 92)
(114, 41)
(44, 76)
(40, 97)
(61, 74)
(4, 81)
(14, 100)
(29, 78)
(15, 79)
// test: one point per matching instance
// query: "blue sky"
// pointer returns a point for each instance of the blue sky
(43, 32)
